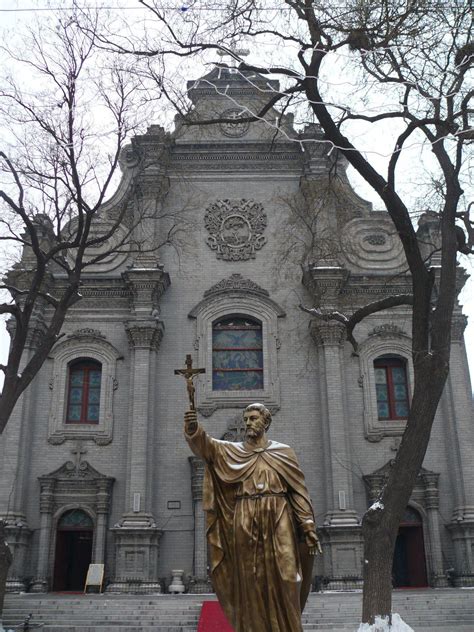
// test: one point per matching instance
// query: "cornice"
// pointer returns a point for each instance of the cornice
(235, 285)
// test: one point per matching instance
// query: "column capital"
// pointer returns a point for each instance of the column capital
(47, 495)
(144, 334)
(330, 333)
(458, 325)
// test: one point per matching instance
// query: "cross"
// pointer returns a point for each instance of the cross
(189, 374)
(78, 451)
(241, 52)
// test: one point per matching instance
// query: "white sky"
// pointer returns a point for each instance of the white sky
(14, 14)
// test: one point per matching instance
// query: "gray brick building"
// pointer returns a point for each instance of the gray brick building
(94, 466)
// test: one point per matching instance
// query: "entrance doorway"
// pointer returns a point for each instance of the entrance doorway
(409, 562)
(73, 551)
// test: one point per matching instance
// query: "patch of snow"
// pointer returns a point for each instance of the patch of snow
(382, 625)
(376, 506)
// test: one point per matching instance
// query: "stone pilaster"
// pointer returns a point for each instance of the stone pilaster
(18, 536)
(136, 534)
(340, 502)
(342, 538)
(457, 405)
(200, 582)
(103, 500)
(431, 501)
(42, 580)
(14, 470)
(144, 338)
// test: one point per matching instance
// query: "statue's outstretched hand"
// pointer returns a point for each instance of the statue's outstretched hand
(313, 543)
(190, 422)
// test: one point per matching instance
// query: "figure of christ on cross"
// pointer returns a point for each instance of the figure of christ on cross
(189, 374)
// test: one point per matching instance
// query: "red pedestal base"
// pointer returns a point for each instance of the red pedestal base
(213, 618)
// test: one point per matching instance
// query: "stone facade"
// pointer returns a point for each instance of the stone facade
(236, 192)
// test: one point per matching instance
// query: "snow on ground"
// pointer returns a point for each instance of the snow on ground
(382, 625)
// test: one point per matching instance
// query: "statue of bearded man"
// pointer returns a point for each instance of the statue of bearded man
(260, 525)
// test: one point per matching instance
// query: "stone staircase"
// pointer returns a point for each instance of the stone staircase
(446, 610)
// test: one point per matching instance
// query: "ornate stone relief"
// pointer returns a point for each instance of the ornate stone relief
(235, 228)
(373, 242)
(388, 329)
(237, 129)
(236, 282)
(235, 429)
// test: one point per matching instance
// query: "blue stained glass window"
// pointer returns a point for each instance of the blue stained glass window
(237, 354)
(391, 386)
(75, 518)
(383, 410)
(84, 392)
(382, 393)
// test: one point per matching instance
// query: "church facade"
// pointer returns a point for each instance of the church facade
(94, 466)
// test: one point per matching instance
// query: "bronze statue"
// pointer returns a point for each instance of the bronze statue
(260, 525)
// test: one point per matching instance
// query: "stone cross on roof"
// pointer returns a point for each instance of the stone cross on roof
(233, 48)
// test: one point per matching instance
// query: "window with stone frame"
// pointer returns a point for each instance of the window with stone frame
(84, 385)
(391, 385)
(237, 354)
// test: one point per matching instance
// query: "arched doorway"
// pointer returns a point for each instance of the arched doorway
(409, 562)
(73, 550)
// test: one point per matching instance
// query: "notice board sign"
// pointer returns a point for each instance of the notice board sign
(95, 576)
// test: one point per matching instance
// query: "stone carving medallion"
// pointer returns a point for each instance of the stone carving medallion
(237, 129)
(235, 228)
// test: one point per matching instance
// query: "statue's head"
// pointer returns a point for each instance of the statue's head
(263, 410)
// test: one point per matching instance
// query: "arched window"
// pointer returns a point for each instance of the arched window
(391, 386)
(75, 519)
(237, 354)
(84, 392)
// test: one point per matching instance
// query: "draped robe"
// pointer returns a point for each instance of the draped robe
(258, 509)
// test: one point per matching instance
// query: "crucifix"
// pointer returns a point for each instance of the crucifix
(189, 374)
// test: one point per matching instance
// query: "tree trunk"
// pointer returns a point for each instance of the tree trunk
(5, 561)
(378, 554)
(380, 523)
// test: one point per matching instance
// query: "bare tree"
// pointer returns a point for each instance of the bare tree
(66, 113)
(403, 70)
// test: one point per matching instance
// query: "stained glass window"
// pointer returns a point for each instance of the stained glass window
(75, 519)
(84, 392)
(391, 387)
(237, 354)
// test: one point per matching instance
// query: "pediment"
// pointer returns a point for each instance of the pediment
(384, 471)
(236, 285)
(70, 470)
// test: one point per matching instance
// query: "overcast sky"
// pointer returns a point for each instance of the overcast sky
(15, 13)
